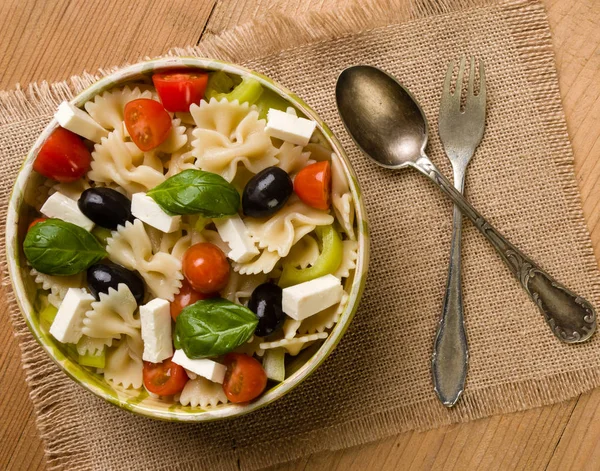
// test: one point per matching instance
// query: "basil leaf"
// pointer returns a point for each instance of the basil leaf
(213, 327)
(196, 191)
(56, 247)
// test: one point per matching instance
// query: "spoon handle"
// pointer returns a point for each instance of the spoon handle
(450, 352)
(570, 317)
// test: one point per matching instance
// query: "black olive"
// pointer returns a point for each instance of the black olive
(106, 207)
(265, 302)
(266, 192)
(101, 276)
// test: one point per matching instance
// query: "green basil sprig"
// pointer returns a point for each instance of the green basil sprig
(196, 191)
(56, 247)
(213, 327)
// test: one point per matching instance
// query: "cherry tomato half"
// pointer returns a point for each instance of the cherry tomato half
(245, 378)
(63, 157)
(313, 185)
(178, 90)
(164, 379)
(186, 296)
(147, 122)
(34, 222)
(206, 268)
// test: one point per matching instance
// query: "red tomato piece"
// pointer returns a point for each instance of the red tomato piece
(186, 296)
(206, 268)
(313, 185)
(34, 222)
(245, 378)
(63, 157)
(179, 89)
(147, 122)
(164, 379)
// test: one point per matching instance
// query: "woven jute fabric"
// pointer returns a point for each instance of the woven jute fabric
(378, 380)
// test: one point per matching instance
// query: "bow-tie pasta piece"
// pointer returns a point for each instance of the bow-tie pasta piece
(341, 198)
(124, 366)
(113, 316)
(182, 158)
(131, 247)
(90, 346)
(292, 158)
(294, 345)
(200, 392)
(57, 285)
(107, 107)
(325, 319)
(72, 190)
(264, 263)
(120, 162)
(349, 257)
(228, 134)
(240, 287)
(251, 347)
(282, 230)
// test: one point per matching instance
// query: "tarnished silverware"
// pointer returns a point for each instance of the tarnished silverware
(389, 126)
(460, 131)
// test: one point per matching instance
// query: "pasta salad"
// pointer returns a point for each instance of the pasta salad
(195, 233)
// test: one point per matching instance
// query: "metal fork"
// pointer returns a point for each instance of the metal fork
(460, 132)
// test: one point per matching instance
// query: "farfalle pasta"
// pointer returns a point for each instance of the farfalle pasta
(280, 232)
(107, 108)
(56, 285)
(113, 316)
(208, 236)
(117, 161)
(131, 247)
(294, 345)
(200, 392)
(124, 365)
(229, 134)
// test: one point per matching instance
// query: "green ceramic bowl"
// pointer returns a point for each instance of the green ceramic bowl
(20, 213)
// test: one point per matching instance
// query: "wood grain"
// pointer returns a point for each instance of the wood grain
(54, 40)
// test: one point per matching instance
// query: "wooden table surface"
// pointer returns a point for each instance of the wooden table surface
(52, 40)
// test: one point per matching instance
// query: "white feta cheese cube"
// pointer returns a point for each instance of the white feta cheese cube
(208, 369)
(68, 323)
(287, 127)
(145, 208)
(62, 207)
(78, 121)
(308, 298)
(156, 330)
(234, 232)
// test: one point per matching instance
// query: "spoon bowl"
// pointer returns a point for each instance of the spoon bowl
(382, 116)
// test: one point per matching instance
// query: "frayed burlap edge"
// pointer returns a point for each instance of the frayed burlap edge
(274, 35)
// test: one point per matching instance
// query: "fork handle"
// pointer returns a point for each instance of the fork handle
(450, 353)
(570, 317)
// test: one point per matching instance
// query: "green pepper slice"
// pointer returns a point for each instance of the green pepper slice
(95, 361)
(249, 91)
(328, 262)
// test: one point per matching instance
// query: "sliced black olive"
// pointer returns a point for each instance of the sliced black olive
(102, 276)
(265, 302)
(106, 207)
(266, 192)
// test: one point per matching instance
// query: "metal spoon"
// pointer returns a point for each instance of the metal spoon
(389, 126)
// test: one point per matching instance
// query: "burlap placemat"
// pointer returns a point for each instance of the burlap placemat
(378, 380)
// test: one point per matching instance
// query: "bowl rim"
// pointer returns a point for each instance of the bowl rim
(229, 410)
